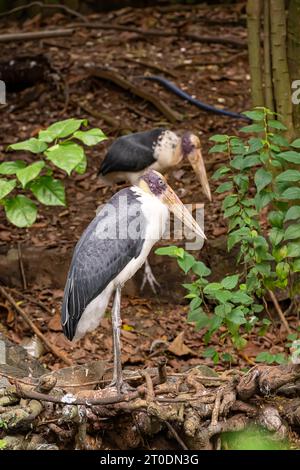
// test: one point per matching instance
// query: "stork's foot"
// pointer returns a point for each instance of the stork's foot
(150, 278)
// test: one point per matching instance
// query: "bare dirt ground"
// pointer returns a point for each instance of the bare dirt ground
(215, 73)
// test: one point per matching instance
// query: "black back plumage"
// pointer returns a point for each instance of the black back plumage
(131, 153)
(101, 254)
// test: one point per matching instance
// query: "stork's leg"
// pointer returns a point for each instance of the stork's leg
(116, 324)
(149, 277)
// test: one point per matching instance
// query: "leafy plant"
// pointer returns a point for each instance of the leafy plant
(233, 307)
(261, 174)
(58, 146)
(269, 256)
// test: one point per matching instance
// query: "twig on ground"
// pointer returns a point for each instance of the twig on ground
(175, 434)
(149, 384)
(22, 266)
(115, 77)
(36, 35)
(279, 311)
(216, 409)
(53, 349)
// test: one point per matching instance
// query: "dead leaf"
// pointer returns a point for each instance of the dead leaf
(55, 323)
(178, 347)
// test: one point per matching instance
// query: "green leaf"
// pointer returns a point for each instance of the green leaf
(21, 211)
(292, 232)
(6, 187)
(276, 125)
(81, 167)
(237, 316)
(249, 161)
(296, 144)
(262, 199)
(212, 287)
(227, 186)
(236, 236)
(65, 156)
(292, 213)
(231, 211)
(200, 269)
(276, 218)
(253, 128)
(255, 144)
(11, 168)
(241, 297)
(293, 250)
(291, 193)
(230, 282)
(61, 129)
(242, 181)
(279, 140)
(49, 191)
(186, 262)
(276, 235)
(220, 172)
(229, 201)
(30, 172)
(237, 163)
(223, 310)
(222, 296)
(270, 358)
(32, 145)
(219, 148)
(255, 115)
(90, 137)
(219, 138)
(289, 175)
(172, 250)
(262, 179)
(282, 270)
(296, 266)
(195, 303)
(290, 156)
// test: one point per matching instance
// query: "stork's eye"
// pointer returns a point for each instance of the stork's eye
(160, 182)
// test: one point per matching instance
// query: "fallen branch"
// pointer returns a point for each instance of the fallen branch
(167, 34)
(195, 420)
(53, 349)
(55, 33)
(279, 311)
(117, 79)
(41, 5)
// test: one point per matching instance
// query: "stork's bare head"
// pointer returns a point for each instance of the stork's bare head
(154, 183)
(191, 148)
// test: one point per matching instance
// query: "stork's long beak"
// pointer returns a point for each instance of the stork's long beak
(197, 162)
(181, 212)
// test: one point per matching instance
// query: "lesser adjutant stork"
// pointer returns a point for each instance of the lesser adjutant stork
(112, 248)
(159, 149)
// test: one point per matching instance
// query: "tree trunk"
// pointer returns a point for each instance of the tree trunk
(254, 8)
(294, 53)
(281, 77)
(269, 98)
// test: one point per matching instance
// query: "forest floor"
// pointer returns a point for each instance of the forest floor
(215, 73)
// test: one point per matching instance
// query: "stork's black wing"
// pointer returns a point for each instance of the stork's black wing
(131, 153)
(100, 255)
